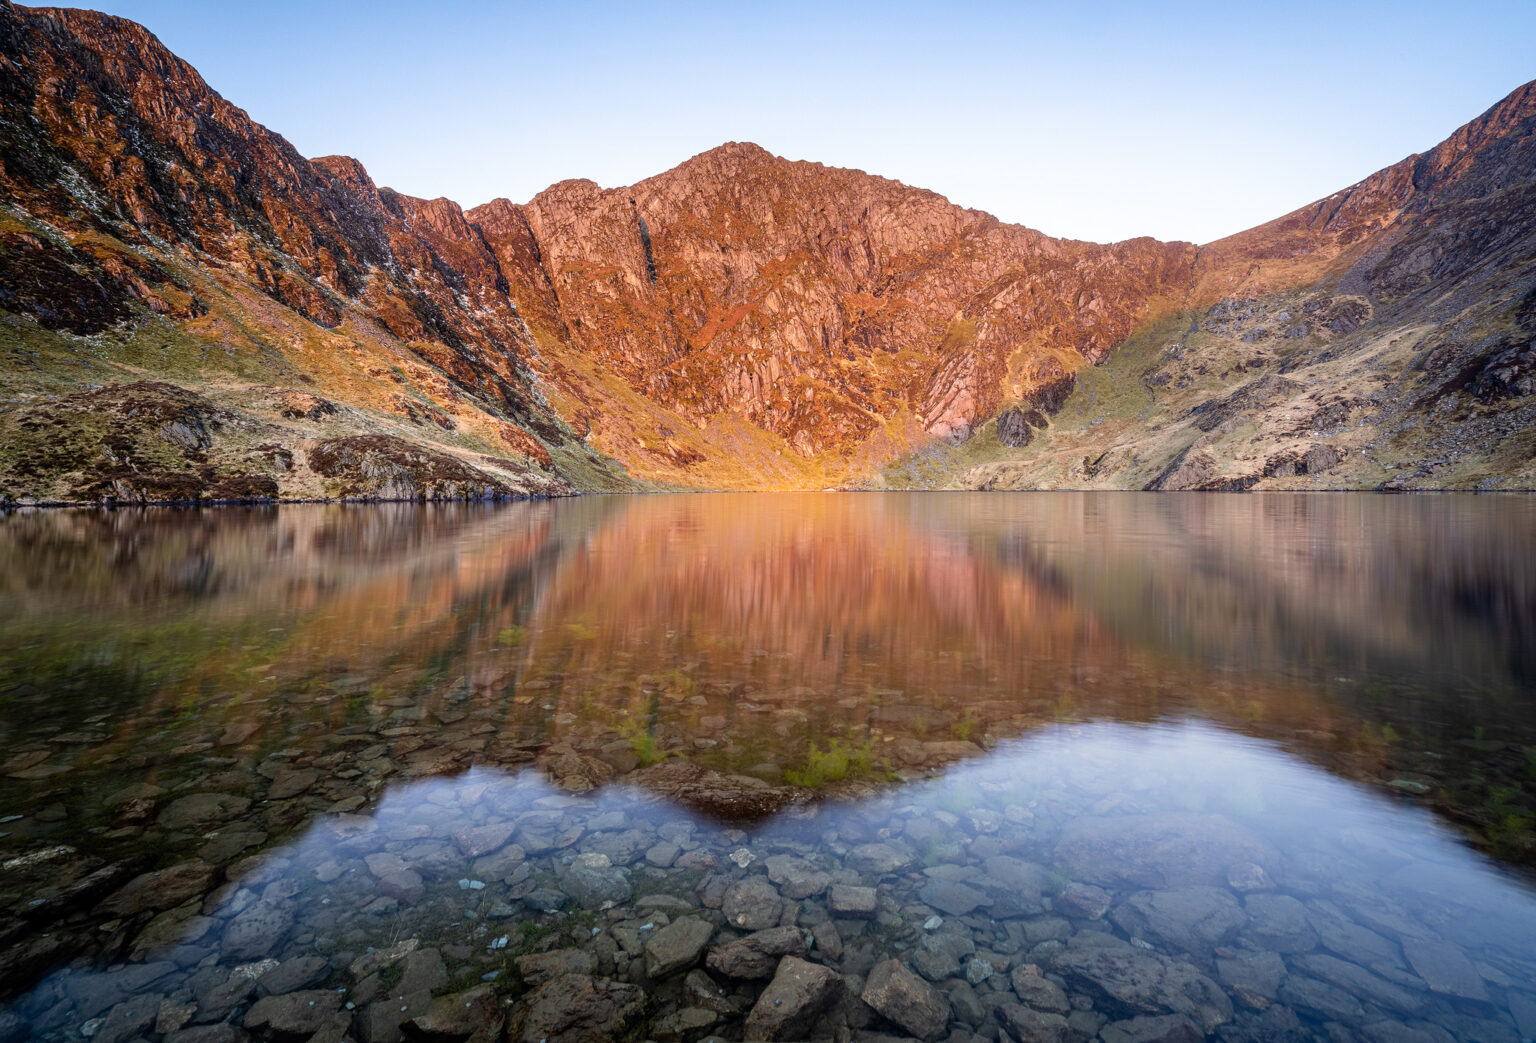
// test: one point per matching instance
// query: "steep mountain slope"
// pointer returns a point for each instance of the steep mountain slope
(188, 308)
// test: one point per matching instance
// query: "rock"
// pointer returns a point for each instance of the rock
(1081, 901)
(254, 933)
(1444, 968)
(1278, 923)
(794, 999)
(1166, 1028)
(1030, 1026)
(965, 1006)
(1320, 998)
(578, 1008)
(878, 859)
(1012, 430)
(540, 967)
(161, 889)
(700, 990)
(482, 840)
(1190, 919)
(852, 902)
(296, 1014)
(595, 882)
(796, 878)
(1135, 982)
(829, 941)
(752, 904)
(904, 998)
(1362, 983)
(757, 955)
(1253, 977)
(200, 810)
(677, 946)
(223, 1033)
(1038, 992)
(292, 975)
(1159, 850)
(378, 959)
(456, 1016)
(662, 854)
(403, 885)
(952, 897)
(1245, 877)
(128, 1019)
(685, 1024)
(292, 783)
(939, 956)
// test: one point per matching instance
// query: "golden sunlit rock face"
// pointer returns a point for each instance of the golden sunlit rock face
(740, 321)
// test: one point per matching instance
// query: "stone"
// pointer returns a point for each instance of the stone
(200, 810)
(851, 902)
(255, 932)
(677, 946)
(752, 904)
(1253, 977)
(295, 1014)
(1190, 919)
(906, 999)
(1321, 999)
(1246, 877)
(685, 1024)
(1081, 901)
(798, 994)
(161, 889)
(456, 1016)
(403, 885)
(540, 967)
(128, 1019)
(221, 1033)
(1133, 981)
(1278, 923)
(479, 841)
(292, 975)
(662, 854)
(757, 955)
(1038, 992)
(952, 897)
(292, 783)
(940, 955)
(577, 1008)
(1163, 850)
(965, 1006)
(378, 959)
(878, 859)
(828, 939)
(1164, 1028)
(595, 882)
(795, 877)
(1031, 1026)
(1362, 983)
(1444, 968)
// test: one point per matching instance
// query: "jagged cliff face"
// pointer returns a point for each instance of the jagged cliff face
(740, 320)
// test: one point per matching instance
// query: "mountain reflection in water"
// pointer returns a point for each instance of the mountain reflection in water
(1215, 760)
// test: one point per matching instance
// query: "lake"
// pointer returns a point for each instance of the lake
(1058, 766)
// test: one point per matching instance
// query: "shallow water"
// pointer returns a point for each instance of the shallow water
(1255, 767)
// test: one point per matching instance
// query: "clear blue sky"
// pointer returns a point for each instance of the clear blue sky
(1184, 121)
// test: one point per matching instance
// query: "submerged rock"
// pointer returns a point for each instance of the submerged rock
(579, 1008)
(904, 998)
(794, 999)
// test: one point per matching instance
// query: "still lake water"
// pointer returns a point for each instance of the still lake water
(938, 766)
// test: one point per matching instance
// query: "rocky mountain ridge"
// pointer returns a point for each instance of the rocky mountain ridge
(194, 310)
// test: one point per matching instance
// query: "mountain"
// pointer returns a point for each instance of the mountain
(190, 309)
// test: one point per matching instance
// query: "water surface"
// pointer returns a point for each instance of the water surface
(1259, 767)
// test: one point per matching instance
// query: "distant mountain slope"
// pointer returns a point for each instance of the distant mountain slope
(190, 309)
